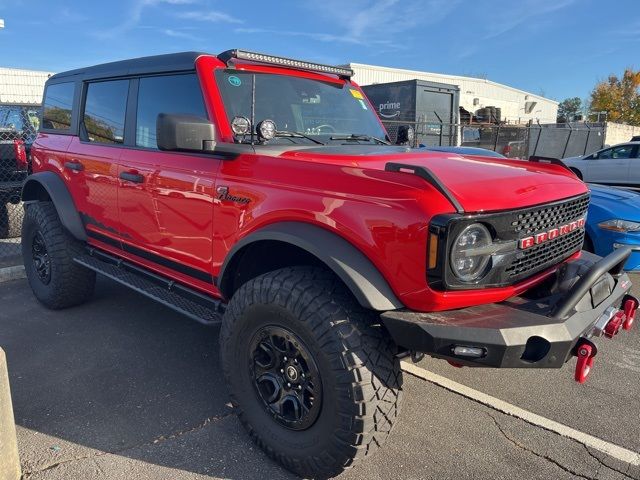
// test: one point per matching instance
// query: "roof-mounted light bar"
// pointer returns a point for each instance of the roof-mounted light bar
(229, 55)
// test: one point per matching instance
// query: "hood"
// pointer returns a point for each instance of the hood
(613, 194)
(480, 184)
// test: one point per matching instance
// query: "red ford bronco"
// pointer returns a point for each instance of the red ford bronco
(263, 193)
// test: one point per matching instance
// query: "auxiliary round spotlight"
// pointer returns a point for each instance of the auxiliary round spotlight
(267, 129)
(241, 125)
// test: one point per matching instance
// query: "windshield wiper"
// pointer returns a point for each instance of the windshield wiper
(359, 136)
(286, 133)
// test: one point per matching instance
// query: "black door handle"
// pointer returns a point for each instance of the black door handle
(132, 177)
(75, 166)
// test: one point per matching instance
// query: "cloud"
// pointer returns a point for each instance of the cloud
(209, 16)
(180, 34)
(134, 15)
(517, 14)
(368, 22)
(321, 37)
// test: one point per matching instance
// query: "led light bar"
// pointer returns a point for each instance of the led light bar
(227, 56)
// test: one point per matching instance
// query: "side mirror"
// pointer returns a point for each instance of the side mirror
(406, 135)
(187, 133)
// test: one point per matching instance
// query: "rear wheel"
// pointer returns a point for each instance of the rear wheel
(48, 251)
(313, 376)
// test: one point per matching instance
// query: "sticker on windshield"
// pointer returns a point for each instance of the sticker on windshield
(364, 105)
(356, 94)
(235, 81)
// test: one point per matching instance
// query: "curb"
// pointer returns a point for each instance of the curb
(12, 273)
(9, 459)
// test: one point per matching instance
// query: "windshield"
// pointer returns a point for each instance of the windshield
(325, 111)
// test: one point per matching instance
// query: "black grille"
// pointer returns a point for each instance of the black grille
(541, 219)
(544, 218)
(546, 254)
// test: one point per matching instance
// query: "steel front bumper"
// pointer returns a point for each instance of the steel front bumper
(542, 330)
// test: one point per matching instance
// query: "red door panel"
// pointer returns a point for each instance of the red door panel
(170, 213)
(92, 169)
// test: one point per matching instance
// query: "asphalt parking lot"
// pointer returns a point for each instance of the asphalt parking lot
(124, 388)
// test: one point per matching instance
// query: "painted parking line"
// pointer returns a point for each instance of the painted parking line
(603, 446)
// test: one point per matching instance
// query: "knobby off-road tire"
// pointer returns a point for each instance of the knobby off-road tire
(11, 216)
(352, 374)
(48, 251)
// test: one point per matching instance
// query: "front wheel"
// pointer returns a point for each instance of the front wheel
(48, 251)
(313, 376)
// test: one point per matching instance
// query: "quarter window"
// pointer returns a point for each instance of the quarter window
(166, 94)
(104, 111)
(58, 102)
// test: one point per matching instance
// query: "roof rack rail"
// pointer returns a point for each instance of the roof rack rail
(229, 55)
(429, 176)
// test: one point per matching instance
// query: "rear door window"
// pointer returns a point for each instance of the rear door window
(58, 104)
(166, 94)
(104, 111)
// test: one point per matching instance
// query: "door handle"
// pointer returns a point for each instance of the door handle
(132, 177)
(75, 166)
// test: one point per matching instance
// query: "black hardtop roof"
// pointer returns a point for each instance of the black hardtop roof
(171, 62)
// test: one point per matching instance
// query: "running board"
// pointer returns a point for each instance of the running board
(189, 302)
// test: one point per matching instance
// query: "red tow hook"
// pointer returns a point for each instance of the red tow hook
(586, 352)
(630, 307)
(614, 325)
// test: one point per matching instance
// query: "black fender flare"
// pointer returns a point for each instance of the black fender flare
(61, 198)
(362, 278)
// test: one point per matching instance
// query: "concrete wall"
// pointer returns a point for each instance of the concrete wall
(475, 93)
(619, 133)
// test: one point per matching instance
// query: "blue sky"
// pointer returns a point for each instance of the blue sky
(559, 48)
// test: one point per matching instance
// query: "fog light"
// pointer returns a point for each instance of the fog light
(267, 129)
(462, 351)
(241, 125)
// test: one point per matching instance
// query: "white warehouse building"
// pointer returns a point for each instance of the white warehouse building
(21, 87)
(517, 106)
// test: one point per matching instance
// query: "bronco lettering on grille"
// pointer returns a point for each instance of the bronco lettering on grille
(542, 237)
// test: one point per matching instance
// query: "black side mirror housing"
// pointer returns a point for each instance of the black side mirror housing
(185, 133)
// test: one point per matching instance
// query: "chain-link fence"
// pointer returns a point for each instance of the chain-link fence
(18, 127)
(557, 140)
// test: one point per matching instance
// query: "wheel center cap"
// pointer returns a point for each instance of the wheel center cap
(292, 373)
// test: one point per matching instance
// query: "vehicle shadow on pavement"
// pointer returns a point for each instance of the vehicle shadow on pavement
(121, 375)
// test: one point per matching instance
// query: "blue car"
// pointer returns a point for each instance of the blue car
(613, 221)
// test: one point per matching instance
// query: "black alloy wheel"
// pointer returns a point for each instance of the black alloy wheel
(286, 378)
(40, 257)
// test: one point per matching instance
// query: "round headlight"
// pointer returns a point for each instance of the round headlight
(467, 260)
(267, 129)
(240, 125)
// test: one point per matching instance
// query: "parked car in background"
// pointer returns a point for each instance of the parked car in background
(465, 151)
(617, 165)
(613, 221)
(18, 128)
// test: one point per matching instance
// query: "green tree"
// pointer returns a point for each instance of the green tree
(619, 97)
(569, 109)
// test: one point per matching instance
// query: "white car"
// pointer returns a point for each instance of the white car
(617, 165)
